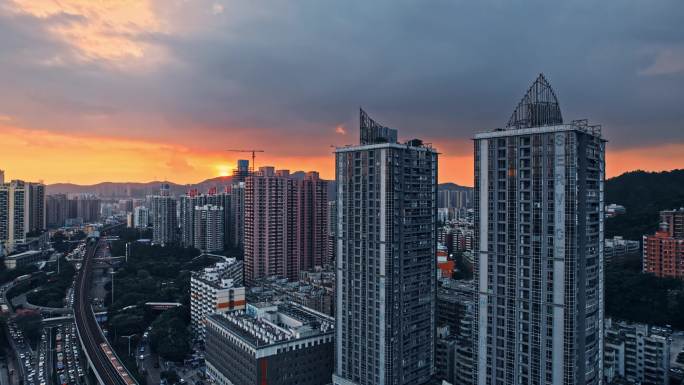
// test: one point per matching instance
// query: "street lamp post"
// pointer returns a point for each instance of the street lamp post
(129, 342)
(112, 273)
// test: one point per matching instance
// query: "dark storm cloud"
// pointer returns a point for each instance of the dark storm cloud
(440, 70)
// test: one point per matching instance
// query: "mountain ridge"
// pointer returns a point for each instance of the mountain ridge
(643, 194)
(141, 189)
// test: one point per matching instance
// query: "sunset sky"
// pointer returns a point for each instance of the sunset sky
(144, 90)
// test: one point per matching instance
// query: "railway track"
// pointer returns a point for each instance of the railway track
(104, 362)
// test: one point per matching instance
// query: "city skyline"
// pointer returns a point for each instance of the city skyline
(217, 192)
(149, 90)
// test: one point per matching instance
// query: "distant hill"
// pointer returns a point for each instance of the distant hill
(132, 189)
(452, 186)
(112, 189)
(644, 195)
(140, 190)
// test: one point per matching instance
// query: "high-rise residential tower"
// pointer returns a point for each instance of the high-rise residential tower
(235, 224)
(208, 223)
(163, 217)
(186, 219)
(187, 208)
(57, 208)
(314, 221)
(85, 207)
(385, 263)
(141, 217)
(286, 224)
(22, 211)
(242, 171)
(4, 214)
(271, 243)
(236, 215)
(539, 247)
(35, 209)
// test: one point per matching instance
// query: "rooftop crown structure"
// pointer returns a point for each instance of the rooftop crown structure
(539, 247)
(385, 263)
(373, 132)
(539, 107)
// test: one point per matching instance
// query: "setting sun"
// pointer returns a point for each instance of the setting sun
(223, 170)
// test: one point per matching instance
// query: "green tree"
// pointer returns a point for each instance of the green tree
(128, 322)
(9, 275)
(169, 336)
(643, 194)
(52, 293)
(638, 297)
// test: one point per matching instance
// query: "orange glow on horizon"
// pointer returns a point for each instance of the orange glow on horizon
(224, 170)
(54, 158)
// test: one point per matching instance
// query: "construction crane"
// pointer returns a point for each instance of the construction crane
(253, 165)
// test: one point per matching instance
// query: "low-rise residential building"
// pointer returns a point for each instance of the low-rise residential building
(273, 344)
(663, 253)
(617, 247)
(319, 277)
(677, 358)
(445, 265)
(216, 289)
(453, 300)
(457, 235)
(613, 210)
(313, 291)
(23, 259)
(636, 353)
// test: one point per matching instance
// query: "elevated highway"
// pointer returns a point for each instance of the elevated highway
(101, 357)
